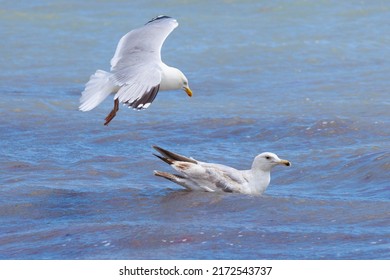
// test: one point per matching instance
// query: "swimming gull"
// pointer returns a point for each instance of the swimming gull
(137, 72)
(210, 177)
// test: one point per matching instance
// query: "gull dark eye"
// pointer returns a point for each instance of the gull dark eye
(267, 157)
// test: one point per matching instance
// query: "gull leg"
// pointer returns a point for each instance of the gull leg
(112, 114)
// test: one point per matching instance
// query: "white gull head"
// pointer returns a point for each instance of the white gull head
(172, 79)
(266, 161)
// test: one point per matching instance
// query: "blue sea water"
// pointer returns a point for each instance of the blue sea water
(307, 80)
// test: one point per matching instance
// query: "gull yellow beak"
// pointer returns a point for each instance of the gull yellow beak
(188, 91)
(285, 162)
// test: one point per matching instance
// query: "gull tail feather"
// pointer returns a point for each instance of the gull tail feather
(96, 90)
(176, 178)
(166, 175)
(167, 160)
(172, 156)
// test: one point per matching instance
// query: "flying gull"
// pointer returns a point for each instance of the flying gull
(137, 72)
(210, 177)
